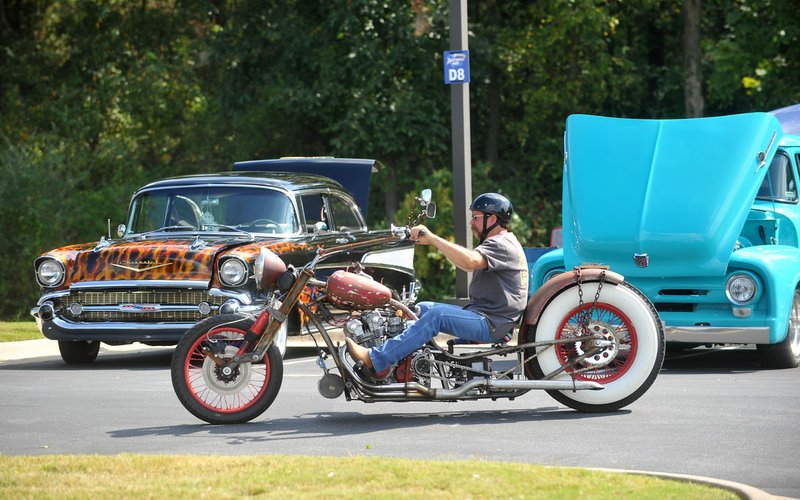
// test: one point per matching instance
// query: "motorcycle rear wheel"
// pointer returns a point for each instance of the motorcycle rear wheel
(207, 392)
(626, 370)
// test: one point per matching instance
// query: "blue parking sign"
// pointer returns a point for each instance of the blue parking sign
(456, 66)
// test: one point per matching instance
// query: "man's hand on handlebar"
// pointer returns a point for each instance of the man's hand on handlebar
(421, 235)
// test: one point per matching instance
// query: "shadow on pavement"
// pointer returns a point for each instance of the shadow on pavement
(320, 424)
(156, 359)
(721, 360)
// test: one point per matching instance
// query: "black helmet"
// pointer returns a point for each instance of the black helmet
(493, 203)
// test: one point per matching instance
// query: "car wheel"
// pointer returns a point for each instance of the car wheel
(78, 352)
(785, 354)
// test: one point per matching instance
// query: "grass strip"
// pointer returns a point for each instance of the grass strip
(276, 476)
(18, 330)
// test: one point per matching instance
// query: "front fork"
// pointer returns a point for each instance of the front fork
(265, 328)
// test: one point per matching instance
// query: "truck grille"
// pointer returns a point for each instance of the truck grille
(162, 305)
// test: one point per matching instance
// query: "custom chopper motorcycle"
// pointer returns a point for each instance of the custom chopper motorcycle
(588, 338)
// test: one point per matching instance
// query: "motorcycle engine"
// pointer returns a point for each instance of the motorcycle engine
(372, 327)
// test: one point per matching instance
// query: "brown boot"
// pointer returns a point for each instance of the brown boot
(359, 353)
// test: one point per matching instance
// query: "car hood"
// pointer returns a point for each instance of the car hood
(138, 260)
(662, 198)
(172, 259)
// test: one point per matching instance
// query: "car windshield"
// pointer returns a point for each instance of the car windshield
(220, 209)
(779, 184)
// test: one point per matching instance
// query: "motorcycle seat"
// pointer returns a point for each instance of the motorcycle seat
(457, 341)
(496, 344)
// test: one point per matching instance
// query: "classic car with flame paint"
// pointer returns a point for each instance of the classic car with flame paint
(202, 245)
(701, 215)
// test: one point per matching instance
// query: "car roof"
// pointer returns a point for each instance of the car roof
(285, 180)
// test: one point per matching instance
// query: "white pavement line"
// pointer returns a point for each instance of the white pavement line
(299, 361)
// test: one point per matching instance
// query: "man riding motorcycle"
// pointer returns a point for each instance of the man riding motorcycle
(497, 293)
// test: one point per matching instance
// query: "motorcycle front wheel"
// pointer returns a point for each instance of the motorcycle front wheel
(626, 368)
(212, 393)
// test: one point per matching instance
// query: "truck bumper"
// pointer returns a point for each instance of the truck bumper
(716, 335)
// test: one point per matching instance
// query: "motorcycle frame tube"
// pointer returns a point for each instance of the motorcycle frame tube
(292, 297)
(416, 391)
(399, 305)
(337, 358)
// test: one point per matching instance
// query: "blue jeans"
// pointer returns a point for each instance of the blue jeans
(433, 318)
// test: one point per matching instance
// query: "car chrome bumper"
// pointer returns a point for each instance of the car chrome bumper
(716, 335)
(61, 329)
(133, 311)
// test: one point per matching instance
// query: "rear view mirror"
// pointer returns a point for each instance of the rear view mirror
(430, 210)
(425, 196)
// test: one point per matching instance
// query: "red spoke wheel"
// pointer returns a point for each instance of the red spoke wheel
(218, 393)
(627, 362)
(608, 363)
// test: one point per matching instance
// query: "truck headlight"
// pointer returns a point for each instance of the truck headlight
(50, 273)
(232, 272)
(741, 288)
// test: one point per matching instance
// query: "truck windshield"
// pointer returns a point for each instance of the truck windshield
(213, 209)
(779, 184)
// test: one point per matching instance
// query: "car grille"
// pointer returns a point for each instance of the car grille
(162, 305)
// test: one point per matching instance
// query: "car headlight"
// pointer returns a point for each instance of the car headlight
(232, 272)
(50, 273)
(741, 288)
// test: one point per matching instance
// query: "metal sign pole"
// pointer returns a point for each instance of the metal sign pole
(462, 158)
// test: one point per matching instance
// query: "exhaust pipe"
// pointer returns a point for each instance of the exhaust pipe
(414, 389)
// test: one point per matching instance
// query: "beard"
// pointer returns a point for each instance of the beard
(476, 233)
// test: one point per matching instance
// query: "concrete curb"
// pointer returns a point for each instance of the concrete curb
(39, 348)
(741, 490)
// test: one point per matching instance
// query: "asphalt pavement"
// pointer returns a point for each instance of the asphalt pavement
(15, 352)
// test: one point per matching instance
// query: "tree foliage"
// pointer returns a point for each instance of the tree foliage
(98, 97)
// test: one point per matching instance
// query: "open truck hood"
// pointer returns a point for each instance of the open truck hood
(675, 193)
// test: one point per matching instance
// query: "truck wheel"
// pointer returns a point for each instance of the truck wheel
(78, 352)
(785, 354)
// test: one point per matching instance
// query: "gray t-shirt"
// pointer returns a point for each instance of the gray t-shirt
(500, 291)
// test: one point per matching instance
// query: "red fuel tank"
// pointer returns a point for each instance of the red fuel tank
(352, 291)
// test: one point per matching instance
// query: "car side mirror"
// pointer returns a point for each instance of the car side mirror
(121, 230)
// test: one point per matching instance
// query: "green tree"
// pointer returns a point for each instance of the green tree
(99, 97)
